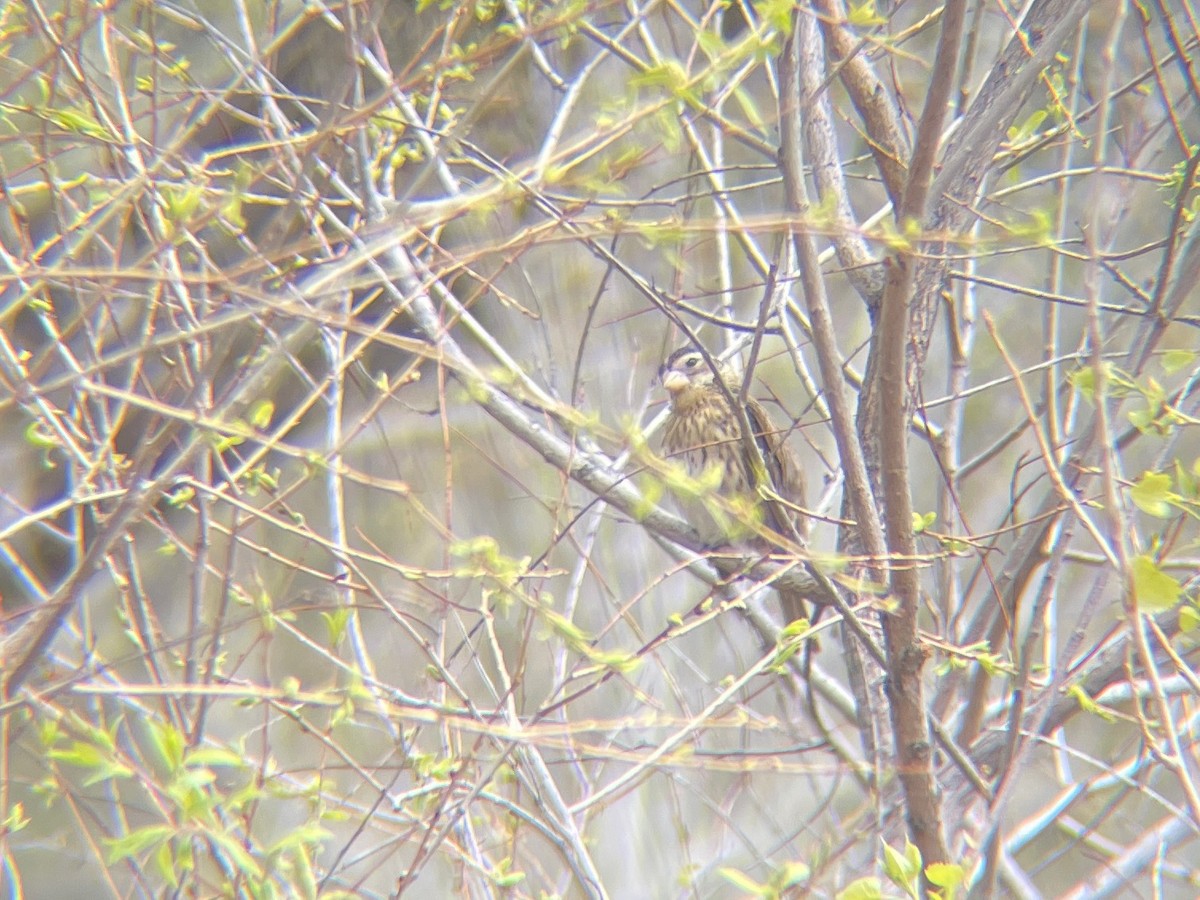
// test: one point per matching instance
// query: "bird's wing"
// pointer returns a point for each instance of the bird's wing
(787, 478)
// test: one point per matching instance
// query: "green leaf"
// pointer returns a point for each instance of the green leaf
(913, 855)
(88, 756)
(868, 888)
(1084, 381)
(895, 866)
(1152, 494)
(865, 15)
(229, 441)
(947, 876)
(710, 43)
(304, 876)
(619, 661)
(1088, 705)
(904, 870)
(181, 497)
(669, 75)
(214, 756)
(1185, 482)
(1174, 360)
(652, 491)
(306, 835)
(1143, 419)
(1154, 590)
(776, 13)
(742, 881)
(15, 820)
(259, 479)
(789, 875)
(955, 546)
(1035, 225)
(181, 202)
(505, 876)
(79, 123)
(794, 630)
(512, 879)
(231, 212)
(138, 841)
(233, 852)
(38, 438)
(169, 743)
(1189, 619)
(335, 625)
(261, 413)
(164, 861)
(1018, 134)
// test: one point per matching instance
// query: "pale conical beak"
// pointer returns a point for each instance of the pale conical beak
(674, 382)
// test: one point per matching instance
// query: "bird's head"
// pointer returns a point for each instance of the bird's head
(686, 370)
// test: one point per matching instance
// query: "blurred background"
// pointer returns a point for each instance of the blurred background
(299, 302)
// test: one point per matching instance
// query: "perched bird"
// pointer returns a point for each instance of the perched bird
(704, 434)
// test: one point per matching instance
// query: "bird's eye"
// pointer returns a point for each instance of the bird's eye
(692, 362)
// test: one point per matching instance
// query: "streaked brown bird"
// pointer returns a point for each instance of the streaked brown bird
(703, 433)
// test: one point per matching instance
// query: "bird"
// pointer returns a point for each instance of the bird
(705, 435)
